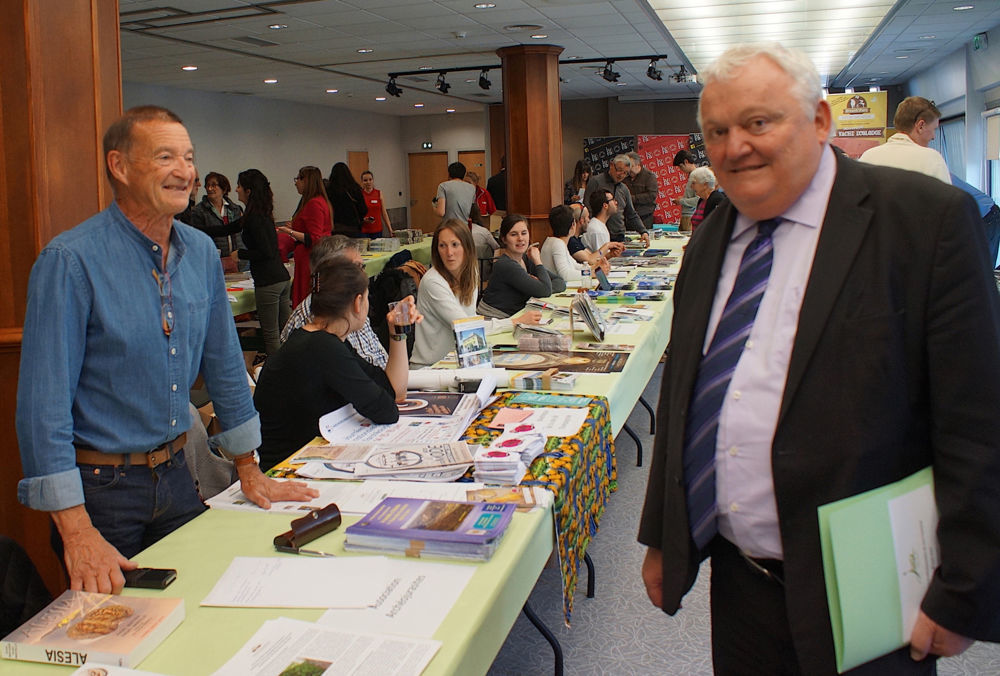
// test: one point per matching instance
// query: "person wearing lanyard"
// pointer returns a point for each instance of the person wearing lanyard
(124, 311)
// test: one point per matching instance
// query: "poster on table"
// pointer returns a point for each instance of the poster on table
(860, 120)
(599, 150)
(657, 153)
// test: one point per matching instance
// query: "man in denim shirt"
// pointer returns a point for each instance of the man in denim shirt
(124, 311)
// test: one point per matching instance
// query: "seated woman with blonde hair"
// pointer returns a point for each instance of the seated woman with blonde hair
(448, 292)
(317, 371)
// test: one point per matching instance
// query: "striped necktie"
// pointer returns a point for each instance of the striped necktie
(714, 373)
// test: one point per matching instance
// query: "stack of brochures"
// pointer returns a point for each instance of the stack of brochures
(442, 528)
(506, 460)
(544, 380)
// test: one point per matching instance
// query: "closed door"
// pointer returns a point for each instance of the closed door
(357, 160)
(475, 160)
(427, 170)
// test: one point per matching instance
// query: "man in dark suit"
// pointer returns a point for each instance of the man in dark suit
(866, 348)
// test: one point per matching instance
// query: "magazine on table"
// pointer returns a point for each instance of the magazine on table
(470, 339)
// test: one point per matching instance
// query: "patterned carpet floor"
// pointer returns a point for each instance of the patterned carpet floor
(619, 631)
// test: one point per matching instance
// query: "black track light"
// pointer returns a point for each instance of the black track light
(391, 89)
(653, 73)
(609, 73)
(484, 79)
(681, 75)
(442, 86)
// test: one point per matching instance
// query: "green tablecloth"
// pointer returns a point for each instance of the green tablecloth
(201, 550)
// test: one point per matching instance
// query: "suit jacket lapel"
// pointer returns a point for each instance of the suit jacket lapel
(844, 229)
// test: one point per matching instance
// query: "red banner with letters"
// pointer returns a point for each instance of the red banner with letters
(657, 153)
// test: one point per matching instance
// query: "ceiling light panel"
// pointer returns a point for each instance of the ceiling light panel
(829, 30)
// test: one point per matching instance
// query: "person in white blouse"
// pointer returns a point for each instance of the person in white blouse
(555, 249)
(448, 292)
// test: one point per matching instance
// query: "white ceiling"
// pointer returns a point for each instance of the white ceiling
(318, 50)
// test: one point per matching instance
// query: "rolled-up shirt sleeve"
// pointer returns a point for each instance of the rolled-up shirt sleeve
(53, 344)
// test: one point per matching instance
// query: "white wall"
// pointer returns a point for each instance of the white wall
(232, 133)
(958, 84)
(448, 132)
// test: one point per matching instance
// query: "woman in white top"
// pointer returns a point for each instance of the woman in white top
(448, 292)
(555, 250)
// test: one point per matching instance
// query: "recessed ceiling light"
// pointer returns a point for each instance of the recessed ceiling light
(621, 84)
(515, 27)
(539, 36)
(380, 98)
(189, 67)
(332, 91)
(278, 26)
(485, 5)
(271, 80)
(418, 105)
(365, 50)
(425, 67)
(469, 81)
(927, 37)
(962, 8)
(902, 57)
(449, 110)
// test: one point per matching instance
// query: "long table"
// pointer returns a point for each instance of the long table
(472, 633)
(242, 301)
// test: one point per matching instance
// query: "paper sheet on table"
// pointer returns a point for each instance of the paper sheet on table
(282, 644)
(509, 415)
(345, 425)
(414, 602)
(233, 499)
(622, 328)
(300, 582)
(870, 589)
(555, 422)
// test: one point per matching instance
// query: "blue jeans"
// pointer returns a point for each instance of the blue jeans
(134, 506)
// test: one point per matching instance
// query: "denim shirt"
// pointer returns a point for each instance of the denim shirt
(97, 368)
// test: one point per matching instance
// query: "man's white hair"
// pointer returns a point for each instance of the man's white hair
(622, 158)
(807, 88)
(704, 176)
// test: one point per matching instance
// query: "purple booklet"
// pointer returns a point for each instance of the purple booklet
(434, 520)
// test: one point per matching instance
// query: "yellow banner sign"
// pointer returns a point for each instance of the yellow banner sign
(860, 120)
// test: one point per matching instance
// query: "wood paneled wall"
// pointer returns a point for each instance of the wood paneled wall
(61, 88)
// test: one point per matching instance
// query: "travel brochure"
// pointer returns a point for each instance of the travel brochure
(347, 426)
(574, 360)
(470, 339)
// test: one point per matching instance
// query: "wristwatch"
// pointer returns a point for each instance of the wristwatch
(398, 336)
(251, 458)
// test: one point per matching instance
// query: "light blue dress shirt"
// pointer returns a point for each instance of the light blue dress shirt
(97, 368)
(747, 510)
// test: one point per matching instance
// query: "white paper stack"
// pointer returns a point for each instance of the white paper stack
(499, 466)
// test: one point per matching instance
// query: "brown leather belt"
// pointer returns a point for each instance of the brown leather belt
(151, 459)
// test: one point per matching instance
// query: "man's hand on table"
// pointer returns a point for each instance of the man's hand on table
(263, 490)
(93, 563)
(645, 238)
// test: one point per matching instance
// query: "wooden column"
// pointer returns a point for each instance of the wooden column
(533, 132)
(61, 89)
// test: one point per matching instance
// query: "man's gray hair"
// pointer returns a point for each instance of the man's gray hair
(635, 158)
(704, 176)
(622, 158)
(329, 248)
(807, 88)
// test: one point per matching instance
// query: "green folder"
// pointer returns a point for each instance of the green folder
(860, 569)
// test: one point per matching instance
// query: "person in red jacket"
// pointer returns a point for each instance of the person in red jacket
(376, 223)
(312, 222)
(483, 199)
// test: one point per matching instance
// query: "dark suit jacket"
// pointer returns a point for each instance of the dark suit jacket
(895, 366)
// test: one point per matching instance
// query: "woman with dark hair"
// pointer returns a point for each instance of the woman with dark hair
(347, 201)
(272, 287)
(448, 292)
(317, 371)
(214, 214)
(576, 186)
(311, 222)
(518, 273)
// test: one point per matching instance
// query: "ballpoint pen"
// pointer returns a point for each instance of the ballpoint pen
(302, 552)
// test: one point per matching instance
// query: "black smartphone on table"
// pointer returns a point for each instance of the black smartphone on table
(150, 578)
